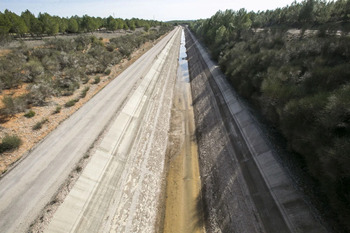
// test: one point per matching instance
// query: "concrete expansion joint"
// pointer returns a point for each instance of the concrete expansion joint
(103, 149)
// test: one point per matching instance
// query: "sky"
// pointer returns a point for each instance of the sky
(162, 10)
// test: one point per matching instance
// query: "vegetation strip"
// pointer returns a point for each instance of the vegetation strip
(47, 25)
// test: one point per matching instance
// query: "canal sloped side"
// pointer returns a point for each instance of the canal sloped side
(226, 201)
(245, 189)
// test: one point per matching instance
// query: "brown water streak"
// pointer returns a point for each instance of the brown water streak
(183, 209)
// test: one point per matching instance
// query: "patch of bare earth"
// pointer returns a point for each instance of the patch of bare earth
(21, 126)
(4, 52)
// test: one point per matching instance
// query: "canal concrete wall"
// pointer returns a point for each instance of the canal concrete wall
(244, 187)
(226, 200)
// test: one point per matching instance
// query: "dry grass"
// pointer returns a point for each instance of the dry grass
(4, 52)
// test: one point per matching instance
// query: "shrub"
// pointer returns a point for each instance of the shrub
(57, 110)
(61, 44)
(108, 71)
(52, 63)
(81, 42)
(83, 93)
(84, 78)
(40, 91)
(10, 142)
(1, 85)
(10, 79)
(30, 114)
(33, 69)
(14, 105)
(95, 41)
(40, 53)
(68, 81)
(11, 67)
(110, 47)
(96, 80)
(71, 103)
(78, 169)
(39, 124)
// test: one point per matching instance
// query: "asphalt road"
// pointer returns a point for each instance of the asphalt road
(26, 189)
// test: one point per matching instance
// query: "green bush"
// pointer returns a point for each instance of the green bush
(30, 114)
(96, 80)
(52, 63)
(107, 72)
(68, 82)
(40, 124)
(71, 103)
(96, 41)
(33, 69)
(38, 92)
(11, 66)
(14, 105)
(57, 110)
(81, 42)
(61, 44)
(10, 79)
(10, 142)
(84, 92)
(84, 79)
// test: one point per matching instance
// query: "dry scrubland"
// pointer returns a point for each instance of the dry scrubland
(43, 85)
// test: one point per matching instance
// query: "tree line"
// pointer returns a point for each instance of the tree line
(45, 24)
(299, 82)
(310, 13)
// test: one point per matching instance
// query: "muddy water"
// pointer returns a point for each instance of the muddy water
(183, 210)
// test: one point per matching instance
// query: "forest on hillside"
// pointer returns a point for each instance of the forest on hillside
(299, 81)
(45, 24)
